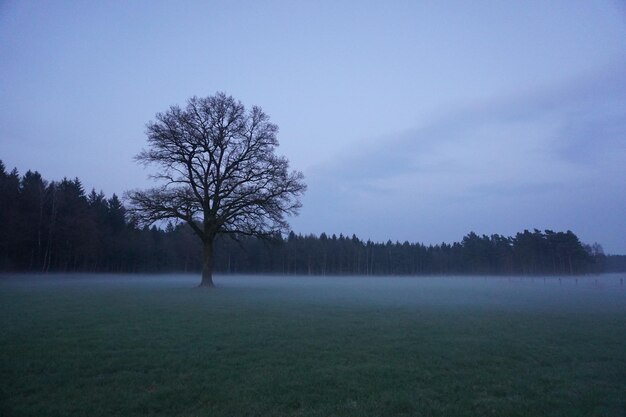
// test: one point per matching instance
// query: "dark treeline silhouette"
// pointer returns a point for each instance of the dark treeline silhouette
(528, 253)
(614, 263)
(57, 226)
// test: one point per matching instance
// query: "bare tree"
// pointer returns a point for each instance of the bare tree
(219, 173)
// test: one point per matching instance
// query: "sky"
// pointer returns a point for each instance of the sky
(411, 120)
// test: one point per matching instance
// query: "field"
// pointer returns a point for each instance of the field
(115, 345)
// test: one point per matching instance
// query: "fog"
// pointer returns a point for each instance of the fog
(581, 295)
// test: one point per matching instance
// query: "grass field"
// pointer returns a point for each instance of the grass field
(260, 346)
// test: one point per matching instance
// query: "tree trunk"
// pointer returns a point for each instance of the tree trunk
(207, 264)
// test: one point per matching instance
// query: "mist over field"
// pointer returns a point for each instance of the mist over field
(578, 294)
(102, 344)
(602, 291)
(454, 292)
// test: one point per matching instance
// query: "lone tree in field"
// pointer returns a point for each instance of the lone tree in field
(219, 173)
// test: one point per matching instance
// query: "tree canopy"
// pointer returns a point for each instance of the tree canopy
(218, 173)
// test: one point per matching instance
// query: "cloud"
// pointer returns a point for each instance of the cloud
(547, 149)
(551, 133)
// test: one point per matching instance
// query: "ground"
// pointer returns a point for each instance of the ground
(269, 346)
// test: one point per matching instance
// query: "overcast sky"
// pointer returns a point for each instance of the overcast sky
(414, 120)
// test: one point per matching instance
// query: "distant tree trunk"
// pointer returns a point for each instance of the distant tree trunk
(47, 259)
(571, 269)
(207, 264)
(309, 264)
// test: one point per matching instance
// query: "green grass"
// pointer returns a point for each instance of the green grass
(160, 347)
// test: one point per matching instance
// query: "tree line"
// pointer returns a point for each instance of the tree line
(56, 226)
(528, 253)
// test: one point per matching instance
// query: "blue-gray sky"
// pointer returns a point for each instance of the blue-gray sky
(416, 121)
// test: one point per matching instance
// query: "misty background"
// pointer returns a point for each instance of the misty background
(416, 122)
